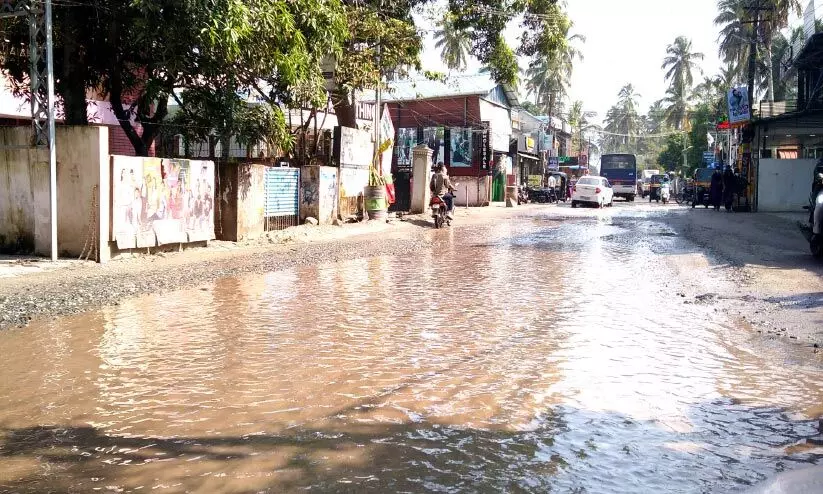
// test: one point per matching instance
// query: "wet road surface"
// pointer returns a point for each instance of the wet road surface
(563, 360)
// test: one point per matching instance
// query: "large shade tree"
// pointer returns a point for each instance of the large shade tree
(139, 53)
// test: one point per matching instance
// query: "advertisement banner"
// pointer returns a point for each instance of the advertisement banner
(553, 163)
(386, 142)
(738, 99)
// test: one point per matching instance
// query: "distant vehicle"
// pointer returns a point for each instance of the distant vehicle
(621, 172)
(646, 179)
(592, 190)
(702, 186)
(647, 174)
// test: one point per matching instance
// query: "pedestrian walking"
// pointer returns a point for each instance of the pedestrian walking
(716, 190)
(552, 184)
(729, 188)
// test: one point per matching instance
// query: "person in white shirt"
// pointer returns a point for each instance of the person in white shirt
(552, 185)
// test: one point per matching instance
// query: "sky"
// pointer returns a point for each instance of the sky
(625, 43)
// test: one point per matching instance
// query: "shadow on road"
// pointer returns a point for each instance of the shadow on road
(567, 449)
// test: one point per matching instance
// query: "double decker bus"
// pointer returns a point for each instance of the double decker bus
(621, 170)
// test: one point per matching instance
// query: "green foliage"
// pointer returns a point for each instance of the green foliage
(139, 52)
(671, 157)
(359, 66)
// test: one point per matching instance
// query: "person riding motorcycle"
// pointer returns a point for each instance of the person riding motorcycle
(817, 186)
(442, 187)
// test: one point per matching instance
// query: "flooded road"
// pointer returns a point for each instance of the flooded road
(562, 359)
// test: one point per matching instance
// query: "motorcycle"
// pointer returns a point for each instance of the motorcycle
(665, 192)
(440, 212)
(814, 230)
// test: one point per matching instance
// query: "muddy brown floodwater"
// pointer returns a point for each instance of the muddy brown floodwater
(561, 360)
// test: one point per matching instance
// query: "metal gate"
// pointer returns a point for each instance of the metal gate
(282, 191)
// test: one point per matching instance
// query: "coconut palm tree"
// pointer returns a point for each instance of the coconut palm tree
(735, 34)
(548, 78)
(677, 101)
(737, 20)
(779, 12)
(454, 44)
(785, 77)
(680, 62)
(623, 123)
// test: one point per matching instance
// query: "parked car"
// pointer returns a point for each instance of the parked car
(593, 190)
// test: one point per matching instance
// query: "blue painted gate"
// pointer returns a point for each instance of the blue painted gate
(282, 192)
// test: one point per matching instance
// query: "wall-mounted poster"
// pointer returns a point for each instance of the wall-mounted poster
(161, 201)
(354, 148)
(434, 137)
(406, 140)
(461, 147)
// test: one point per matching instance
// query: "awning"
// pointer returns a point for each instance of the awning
(528, 156)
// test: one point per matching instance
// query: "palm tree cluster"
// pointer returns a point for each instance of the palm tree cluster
(547, 78)
(757, 23)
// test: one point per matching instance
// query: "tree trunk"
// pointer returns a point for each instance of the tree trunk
(344, 108)
(73, 84)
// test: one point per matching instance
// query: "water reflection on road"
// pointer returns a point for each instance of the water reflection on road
(561, 361)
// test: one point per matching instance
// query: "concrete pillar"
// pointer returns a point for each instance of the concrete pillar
(421, 173)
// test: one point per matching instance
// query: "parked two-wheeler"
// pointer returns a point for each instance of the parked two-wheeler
(813, 231)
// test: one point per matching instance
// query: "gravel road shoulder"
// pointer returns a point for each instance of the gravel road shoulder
(34, 288)
(757, 269)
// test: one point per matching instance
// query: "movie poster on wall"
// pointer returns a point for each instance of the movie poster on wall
(406, 140)
(461, 147)
(161, 201)
(434, 138)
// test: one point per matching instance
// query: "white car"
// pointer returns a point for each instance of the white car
(593, 190)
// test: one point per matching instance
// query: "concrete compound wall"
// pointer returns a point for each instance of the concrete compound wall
(319, 193)
(476, 189)
(82, 177)
(242, 201)
(784, 185)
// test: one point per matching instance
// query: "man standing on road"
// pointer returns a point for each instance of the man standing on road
(716, 190)
(551, 183)
(729, 186)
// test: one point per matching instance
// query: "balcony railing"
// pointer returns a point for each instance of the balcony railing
(768, 109)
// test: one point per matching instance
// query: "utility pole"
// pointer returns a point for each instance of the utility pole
(378, 94)
(41, 87)
(753, 50)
